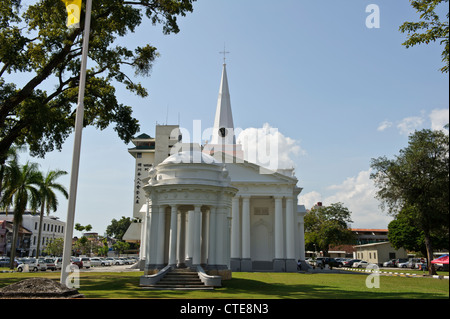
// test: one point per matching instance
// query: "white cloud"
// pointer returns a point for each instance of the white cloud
(269, 148)
(439, 118)
(436, 120)
(384, 125)
(358, 195)
(309, 199)
(410, 124)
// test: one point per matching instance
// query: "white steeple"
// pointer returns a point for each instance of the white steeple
(223, 131)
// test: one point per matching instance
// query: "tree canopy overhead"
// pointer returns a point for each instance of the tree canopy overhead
(36, 45)
(435, 27)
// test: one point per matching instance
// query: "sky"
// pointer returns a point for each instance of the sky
(338, 92)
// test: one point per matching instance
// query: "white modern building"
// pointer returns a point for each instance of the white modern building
(205, 205)
(52, 228)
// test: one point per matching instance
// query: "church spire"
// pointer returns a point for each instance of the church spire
(223, 131)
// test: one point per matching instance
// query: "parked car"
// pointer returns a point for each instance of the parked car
(403, 264)
(360, 264)
(115, 261)
(86, 262)
(105, 262)
(32, 264)
(58, 262)
(42, 264)
(341, 261)
(350, 262)
(126, 260)
(322, 261)
(390, 263)
(27, 264)
(50, 263)
(95, 262)
(77, 262)
(400, 261)
(5, 262)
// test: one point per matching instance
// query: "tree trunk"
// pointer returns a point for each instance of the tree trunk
(41, 217)
(13, 244)
(431, 269)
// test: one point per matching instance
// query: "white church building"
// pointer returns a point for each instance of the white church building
(204, 205)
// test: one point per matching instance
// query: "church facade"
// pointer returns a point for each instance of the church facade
(204, 205)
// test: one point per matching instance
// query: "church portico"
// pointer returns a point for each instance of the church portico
(189, 215)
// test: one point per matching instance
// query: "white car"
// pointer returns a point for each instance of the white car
(115, 261)
(105, 262)
(403, 264)
(31, 264)
(95, 261)
(360, 264)
(86, 262)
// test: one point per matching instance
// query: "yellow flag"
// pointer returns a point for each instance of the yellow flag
(73, 8)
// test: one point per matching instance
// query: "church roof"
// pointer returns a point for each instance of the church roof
(191, 157)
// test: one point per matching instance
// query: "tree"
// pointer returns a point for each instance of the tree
(404, 234)
(118, 228)
(121, 246)
(47, 197)
(327, 225)
(103, 250)
(417, 180)
(55, 247)
(81, 228)
(20, 189)
(434, 28)
(11, 156)
(36, 45)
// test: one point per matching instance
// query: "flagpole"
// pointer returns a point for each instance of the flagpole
(68, 234)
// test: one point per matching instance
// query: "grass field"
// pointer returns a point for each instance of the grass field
(125, 285)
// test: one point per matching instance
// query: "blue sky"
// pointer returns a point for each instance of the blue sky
(339, 93)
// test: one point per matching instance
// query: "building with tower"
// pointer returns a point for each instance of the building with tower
(206, 206)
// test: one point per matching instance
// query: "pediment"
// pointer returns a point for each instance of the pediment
(252, 173)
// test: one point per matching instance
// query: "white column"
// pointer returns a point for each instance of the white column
(181, 239)
(148, 239)
(220, 233)
(190, 236)
(302, 236)
(161, 235)
(173, 236)
(246, 227)
(279, 228)
(290, 224)
(152, 236)
(196, 254)
(235, 229)
(144, 241)
(204, 237)
(212, 237)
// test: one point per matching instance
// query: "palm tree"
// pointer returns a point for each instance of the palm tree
(11, 156)
(47, 197)
(19, 191)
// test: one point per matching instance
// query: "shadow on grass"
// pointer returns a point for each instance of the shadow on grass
(244, 288)
(250, 287)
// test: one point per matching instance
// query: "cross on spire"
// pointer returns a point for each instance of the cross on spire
(224, 52)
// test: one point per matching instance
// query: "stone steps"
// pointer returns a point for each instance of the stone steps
(182, 278)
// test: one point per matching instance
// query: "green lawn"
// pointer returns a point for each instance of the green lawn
(258, 286)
